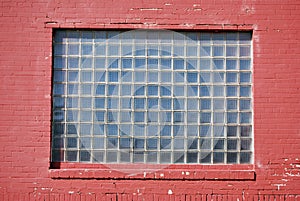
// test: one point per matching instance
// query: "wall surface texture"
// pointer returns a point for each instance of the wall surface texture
(25, 91)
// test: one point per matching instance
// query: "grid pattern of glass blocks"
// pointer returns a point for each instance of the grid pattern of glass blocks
(157, 97)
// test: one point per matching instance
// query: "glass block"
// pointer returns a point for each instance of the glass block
(73, 36)
(192, 90)
(98, 156)
(85, 143)
(165, 143)
(125, 130)
(205, 90)
(140, 50)
(73, 62)
(139, 90)
(100, 63)
(58, 143)
(179, 90)
(231, 38)
(59, 76)
(232, 117)
(125, 157)
(125, 103)
(231, 104)
(178, 117)
(231, 64)
(152, 103)
(192, 117)
(191, 51)
(232, 144)
(178, 64)
(112, 129)
(151, 157)
(86, 89)
(245, 117)
(126, 76)
(139, 116)
(231, 77)
(192, 64)
(218, 157)
(165, 157)
(245, 104)
(192, 143)
(153, 130)
(218, 38)
(113, 63)
(178, 157)
(205, 143)
(218, 104)
(192, 157)
(112, 103)
(218, 131)
(179, 131)
(152, 90)
(58, 116)
(218, 77)
(60, 36)
(205, 64)
(205, 51)
(72, 115)
(152, 76)
(125, 143)
(100, 49)
(165, 50)
(138, 156)
(98, 143)
(245, 77)
(72, 102)
(246, 131)
(178, 143)
(98, 129)
(192, 130)
(113, 90)
(165, 90)
(245, 157)
(139, 76)
(58, 129)
(218, 91)
(166, 103)
(218, 144)
(58, 102)
(205, 131)
(86, 63)
(205, 37)
(179, 104)
(86, 49)
(231, 131)
(232, 157)
(245, 51)
(138, 143)
(71, 155)
(166, 130)
(72, 129)
(218, 51)
(152, 143)
(218, 117)
(113, 76)
(72, 142)
(126, 50)
(85, 129)
(231, 51)
(59, 62)
(112, 117)
(73, 49)
(165, 63)
(152, 63)
(72, 89)
(218, 64)
(192, 77)
(166, 77)
(113, 50)
(245, 64)
(112, 143)
(178, 51)
(231, 91)
(140, 63)
(111, 156)
(205, 77)
(57, 155)
(246, 144)
(139, 103)
(165, 117)
(205, 117)
(205, 157)
(192, 104)
(58, 89)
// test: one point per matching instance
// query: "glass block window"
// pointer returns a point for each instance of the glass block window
(158, 97)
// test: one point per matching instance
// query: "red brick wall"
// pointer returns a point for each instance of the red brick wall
(25, 91)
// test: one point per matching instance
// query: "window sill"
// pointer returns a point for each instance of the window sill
(153, 172)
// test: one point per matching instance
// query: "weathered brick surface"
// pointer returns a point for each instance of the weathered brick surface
(25, 89)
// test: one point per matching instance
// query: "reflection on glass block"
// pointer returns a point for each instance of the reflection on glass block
(73, 62)
(72, 115)
(139, 90)
(165, 157)
(126, 50)
(85, 143)
(112, 143)
(87, 49)
(218, 38)
(98, 129)
(165, 63)
(218, 64)
(72, 89)
(192, 117)
(113, 50)
(192, 77)
(152, 76)
(112, 116)
(85, 129)
(126, 90)
(192, 143)
(98, 156)
(192, 130)
(139, 76)
(152, 103)
(179, 91)
(218, 104)
(192, 104)
(125, 143)
(205, 64)
(205, 51)
(100, 63)
(151, 143)
(125, 117)
(165, 116)
(58, 129)
(111, 156)
(86, 63)
(178, 117)
(179, 104)
(246, 144)
(113, 90)
(231, 104)
(59, 76)
(125, 157)
(218, 51)
(165, 76)
(57, 155)
(73, 49)
(138, 143)
(166, 103)
(99, 76)
(219, 117)
(165, 90)
(86, 89)
(140, 63)
(218, 131)
(205, 131)
(152, 130)
(218, 77)
(166, 130)
(179, 131)
(151, 157)
(205, 157)
(100, 49)
(72, 129)
(178, 77)
(58, 102)
(205, 90)
(178, 157)
(60, 36)
(205, 144)
(191, 51)
(178, 143)
(125, 129)
(58, 142)
(59, 63)
(191, 64)
(165, 143)
(205, 77)
(218, 144)
(178, 50)
(98, 143)
(113, 76)
(112, 129)
(218, 90)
